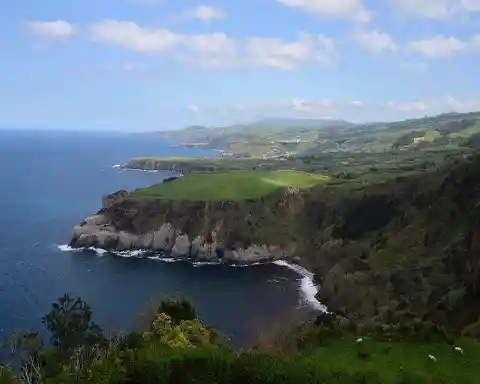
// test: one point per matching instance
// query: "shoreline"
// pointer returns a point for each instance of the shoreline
(307, 287)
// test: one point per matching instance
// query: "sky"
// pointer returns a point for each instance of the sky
(140, 65)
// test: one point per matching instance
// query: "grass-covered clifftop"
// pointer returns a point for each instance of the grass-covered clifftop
(239, 185)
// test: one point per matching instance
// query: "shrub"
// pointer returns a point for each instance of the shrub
(6, 375)
(178, 309)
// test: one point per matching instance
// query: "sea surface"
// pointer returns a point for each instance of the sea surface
(49, 181)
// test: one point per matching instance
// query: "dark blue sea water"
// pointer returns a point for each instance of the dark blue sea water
(49, 181)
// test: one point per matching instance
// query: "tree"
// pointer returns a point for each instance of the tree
(178, 309)
(70, 324)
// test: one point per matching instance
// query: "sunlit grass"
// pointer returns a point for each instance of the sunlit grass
(230, 185)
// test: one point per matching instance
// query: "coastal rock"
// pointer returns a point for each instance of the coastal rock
(125, 241)
(145, 241)
(254, 253)
(181, 247)
(196, 244)
(108, 200)
(168, 227)
(96, 220)
(207, 252)
(106, 240)
(164, 238)
(85, 241)
(230, 255)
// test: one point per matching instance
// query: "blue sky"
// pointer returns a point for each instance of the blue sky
(156, 64)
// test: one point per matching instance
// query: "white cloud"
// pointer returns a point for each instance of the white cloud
(375, 41)
(211, 50)
(332, 9)
(438, 46)
(447, 103)
(205, 13)
(193, 108)
(51, 29)
(134, 37)
(217, 50)
(437, 9)
(471, 5)
(281, 54)
(356, 110)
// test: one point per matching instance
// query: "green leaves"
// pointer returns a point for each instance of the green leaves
(70, 324)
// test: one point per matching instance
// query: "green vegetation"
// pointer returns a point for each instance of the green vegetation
(279, 137)
(391, 230)
(179, 348)
(390, 241)
(229, 186)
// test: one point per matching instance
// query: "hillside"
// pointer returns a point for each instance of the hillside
(272, 138)
(405, 249)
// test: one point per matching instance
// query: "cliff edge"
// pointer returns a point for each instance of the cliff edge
(230, 231)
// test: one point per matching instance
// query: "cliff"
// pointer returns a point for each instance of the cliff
(183, 165)
(232, 231)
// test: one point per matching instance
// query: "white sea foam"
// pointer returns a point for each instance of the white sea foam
(116, 166)
(140, 170)
(137, 253)
(204, 263)
(126, 254)
(101, 251)
(307, 286)
(249, 264)
(164, 259)
(67, 248)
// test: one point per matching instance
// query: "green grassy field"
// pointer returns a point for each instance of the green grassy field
(167, 158)
(229, 185)
(468, 132)
(390, 359)
(432, 135)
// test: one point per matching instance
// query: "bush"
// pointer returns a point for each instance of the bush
(178, 309)
(6, 375)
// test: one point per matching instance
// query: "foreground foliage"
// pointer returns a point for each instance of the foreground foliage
(178, 348)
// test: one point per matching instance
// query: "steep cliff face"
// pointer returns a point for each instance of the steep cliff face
(406, 249)
(245, 231)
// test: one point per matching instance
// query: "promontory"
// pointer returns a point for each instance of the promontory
(233, 217)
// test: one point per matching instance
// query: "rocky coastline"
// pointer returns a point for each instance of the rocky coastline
(115, 228)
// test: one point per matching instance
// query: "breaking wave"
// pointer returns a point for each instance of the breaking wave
(307, 285)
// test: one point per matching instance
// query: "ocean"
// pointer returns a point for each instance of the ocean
(51, 180)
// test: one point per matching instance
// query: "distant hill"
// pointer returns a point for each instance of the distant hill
(273, 137)
(293, 122)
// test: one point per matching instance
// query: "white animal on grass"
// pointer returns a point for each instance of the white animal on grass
(359, 340)
(431, 357)
(458, 349)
